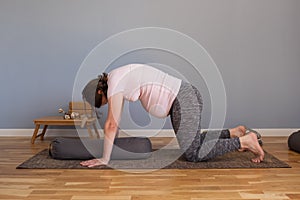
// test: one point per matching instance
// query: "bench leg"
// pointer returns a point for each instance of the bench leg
(89, 130)
(34, 136)
(44, 131)
(96, 130)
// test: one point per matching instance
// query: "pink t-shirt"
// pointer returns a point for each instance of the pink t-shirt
(155, 89)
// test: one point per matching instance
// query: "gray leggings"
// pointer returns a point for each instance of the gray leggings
(186, 120)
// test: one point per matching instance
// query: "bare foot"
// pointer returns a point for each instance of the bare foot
(238, 131)
(250, 142)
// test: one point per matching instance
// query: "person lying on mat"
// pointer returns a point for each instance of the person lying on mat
(162, 95)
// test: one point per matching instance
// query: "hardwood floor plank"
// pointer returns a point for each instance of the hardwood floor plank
(193, 184)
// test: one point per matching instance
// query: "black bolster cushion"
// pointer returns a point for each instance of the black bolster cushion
(126, 148)
(294, 141)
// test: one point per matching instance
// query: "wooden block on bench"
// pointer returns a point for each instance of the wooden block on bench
(79, 107)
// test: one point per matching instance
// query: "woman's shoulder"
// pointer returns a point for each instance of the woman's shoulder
(125, 69)
(130, 67)
(117, 74)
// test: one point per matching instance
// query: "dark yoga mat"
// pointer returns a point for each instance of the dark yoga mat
(231, 160)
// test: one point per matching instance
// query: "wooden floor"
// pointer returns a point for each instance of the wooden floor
(196, 184)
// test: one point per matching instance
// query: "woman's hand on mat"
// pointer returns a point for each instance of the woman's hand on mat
(94, 162)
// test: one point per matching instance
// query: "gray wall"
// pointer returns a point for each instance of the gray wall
(255, 44)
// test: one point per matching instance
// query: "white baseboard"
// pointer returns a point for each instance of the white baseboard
(277, 132)
(133, 133)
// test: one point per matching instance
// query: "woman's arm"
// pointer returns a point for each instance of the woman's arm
(115, 107)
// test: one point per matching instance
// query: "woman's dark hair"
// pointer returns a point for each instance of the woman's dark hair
(90, 91)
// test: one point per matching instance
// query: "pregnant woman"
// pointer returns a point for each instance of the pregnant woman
(162, 95)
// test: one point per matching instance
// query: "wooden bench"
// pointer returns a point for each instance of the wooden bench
(60, 121)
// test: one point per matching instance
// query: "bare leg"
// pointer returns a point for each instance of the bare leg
(250, 142)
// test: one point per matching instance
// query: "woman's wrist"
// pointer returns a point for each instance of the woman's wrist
(104, 160)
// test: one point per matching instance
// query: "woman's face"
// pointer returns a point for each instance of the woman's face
(104, 100)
